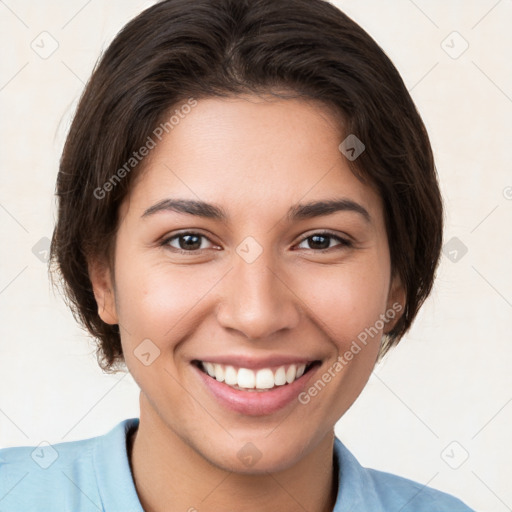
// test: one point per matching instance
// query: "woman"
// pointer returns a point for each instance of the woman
(249, 218)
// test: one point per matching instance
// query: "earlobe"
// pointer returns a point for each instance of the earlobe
(396, 303)
(102, 285)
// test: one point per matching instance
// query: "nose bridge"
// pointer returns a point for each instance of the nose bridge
(256, 301)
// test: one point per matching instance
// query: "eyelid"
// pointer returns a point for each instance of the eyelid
(343, 241)
(165, 241)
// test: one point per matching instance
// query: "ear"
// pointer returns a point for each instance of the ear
(396, 303)
(102, 284)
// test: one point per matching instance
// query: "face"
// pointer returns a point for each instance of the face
(257, 319)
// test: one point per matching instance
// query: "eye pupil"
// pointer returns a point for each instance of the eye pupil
(189, 244)
(316, 239)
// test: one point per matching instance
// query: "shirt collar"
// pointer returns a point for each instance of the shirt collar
(350, 479)
(118, 492)
(112, 467)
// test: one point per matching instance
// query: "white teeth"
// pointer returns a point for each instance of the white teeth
(280, 376)
(246, 378)
(230, 376)
(262, 379)
(219, 372)
(291, 373)
(210, 369)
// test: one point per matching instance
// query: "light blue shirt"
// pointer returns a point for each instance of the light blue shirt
(92, 475)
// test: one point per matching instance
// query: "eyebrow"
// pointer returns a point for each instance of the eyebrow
(296, 212)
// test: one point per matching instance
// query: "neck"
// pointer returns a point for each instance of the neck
(170, 476)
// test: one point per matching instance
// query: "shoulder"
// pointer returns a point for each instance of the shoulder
(44, 475)
(412, 496)
(60, 476)
(378, 491)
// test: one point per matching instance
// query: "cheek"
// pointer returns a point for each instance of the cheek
(157, 301)
(345, 301)
(347, 306)
(157, 307)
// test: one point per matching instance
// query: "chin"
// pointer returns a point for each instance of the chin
(265, 453)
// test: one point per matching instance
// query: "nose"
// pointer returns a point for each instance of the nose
(256, 299)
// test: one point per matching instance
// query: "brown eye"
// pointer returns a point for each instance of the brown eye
(322, 241)
(186, 242)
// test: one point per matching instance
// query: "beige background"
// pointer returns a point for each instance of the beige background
(439, 408)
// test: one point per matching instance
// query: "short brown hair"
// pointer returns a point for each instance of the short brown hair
(179, 49)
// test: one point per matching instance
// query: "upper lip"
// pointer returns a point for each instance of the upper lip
(254, 363)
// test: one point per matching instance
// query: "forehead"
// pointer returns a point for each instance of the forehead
(249, 153)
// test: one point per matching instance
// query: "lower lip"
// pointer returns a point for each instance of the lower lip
(254, 403)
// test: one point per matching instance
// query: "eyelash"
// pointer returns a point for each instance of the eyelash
(344, 243)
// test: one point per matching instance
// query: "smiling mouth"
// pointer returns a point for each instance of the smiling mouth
(261, 380)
